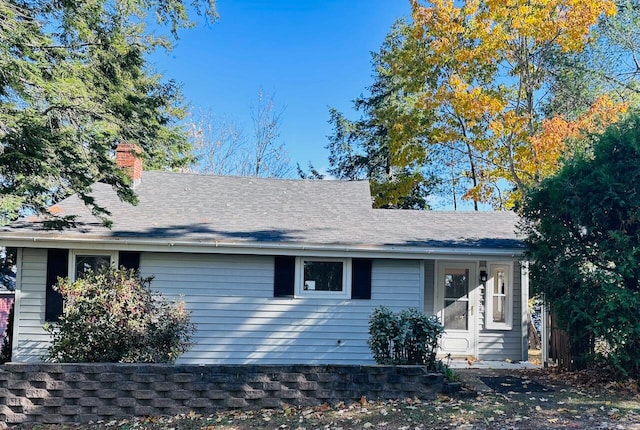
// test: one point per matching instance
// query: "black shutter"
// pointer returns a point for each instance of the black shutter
(284, 276)
(360, 279)
(57, 267)
(129, 260)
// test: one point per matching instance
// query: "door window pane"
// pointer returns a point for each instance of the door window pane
(456, 283)
(456, 299)
(455, 315)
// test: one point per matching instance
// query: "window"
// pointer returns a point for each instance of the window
(61, 265)
(499, 297)
(322, 277)
(85, 261)
(90, 263)
(290, 277)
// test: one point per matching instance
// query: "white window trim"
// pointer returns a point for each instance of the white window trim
(89, 252)
(489, 323)
(346, 279)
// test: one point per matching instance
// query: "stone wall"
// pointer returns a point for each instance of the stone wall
(65, 393)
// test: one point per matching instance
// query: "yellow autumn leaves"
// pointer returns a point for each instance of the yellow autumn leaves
(488, 61)
(562, 22)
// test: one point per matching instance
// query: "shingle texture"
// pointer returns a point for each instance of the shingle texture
(217, 209)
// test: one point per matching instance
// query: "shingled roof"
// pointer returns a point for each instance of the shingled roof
(240, 210)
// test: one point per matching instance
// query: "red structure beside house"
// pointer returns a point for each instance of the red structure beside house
(6, 300)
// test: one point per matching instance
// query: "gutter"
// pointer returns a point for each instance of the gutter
(258, 248)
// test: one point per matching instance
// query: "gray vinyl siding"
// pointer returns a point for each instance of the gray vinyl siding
(429, 293)
(31, 341)
(503, 344)
(240, 322)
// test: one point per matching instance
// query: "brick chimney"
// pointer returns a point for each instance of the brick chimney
(127, 158)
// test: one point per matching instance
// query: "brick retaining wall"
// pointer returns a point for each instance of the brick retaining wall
(64, 393)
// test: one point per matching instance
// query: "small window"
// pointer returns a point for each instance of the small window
(499, 297)
(289, 279)
(87, 261)
(322, 277)
(90, 263)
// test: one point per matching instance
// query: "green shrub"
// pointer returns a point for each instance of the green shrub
(406, 337)
(113, 316)
(582, 229)
(383, 329)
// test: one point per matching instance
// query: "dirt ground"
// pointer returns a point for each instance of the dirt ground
(520, 399)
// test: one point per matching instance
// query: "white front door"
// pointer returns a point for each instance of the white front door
(456, 287)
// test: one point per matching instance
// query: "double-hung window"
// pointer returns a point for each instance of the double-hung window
(499, 297)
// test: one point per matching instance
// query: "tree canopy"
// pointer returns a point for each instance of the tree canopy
(374, 147)
(487, 66)
(222, 147)
(74, 82)
(583, 236)
(494, 95)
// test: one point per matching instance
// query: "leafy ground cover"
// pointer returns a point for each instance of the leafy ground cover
(585, 400)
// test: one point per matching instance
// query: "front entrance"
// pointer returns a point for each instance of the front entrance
(457, 306)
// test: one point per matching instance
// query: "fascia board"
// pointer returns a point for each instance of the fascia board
(260, 248)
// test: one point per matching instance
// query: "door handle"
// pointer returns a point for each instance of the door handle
(471, 312)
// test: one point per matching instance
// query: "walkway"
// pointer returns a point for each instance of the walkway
(462, 363)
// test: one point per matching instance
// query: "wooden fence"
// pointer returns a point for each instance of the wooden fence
(559, 345)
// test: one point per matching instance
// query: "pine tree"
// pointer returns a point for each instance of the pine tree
(74, 82)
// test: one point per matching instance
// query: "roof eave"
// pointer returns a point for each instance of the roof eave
(258, 248)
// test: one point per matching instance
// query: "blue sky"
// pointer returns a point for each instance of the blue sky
(308, 54)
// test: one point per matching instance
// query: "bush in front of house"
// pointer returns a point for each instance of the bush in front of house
(114, 316)
(405, 337)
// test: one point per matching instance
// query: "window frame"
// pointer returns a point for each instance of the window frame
(74, 253)
(489, 296)
(346, 279)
